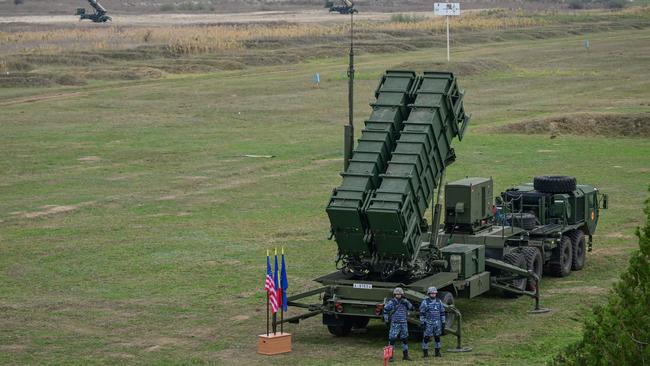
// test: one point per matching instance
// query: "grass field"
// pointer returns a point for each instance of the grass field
(132, 230)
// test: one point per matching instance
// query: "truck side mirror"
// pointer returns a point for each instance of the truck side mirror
(604, 203)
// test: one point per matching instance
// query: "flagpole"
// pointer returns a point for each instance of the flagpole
(275, 315)
(282, 297)
(267, 300)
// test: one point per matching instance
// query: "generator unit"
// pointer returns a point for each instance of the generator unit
(468, 205)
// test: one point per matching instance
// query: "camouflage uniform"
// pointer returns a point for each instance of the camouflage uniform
(432, 316)
(398, 324)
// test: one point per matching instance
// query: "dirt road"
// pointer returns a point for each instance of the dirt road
(306, 16)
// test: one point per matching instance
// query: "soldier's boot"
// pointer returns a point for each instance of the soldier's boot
(406, 356)
(425, 353)
(438, 354)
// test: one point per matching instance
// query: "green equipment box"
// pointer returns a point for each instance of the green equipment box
(468, 204)
(464, 259)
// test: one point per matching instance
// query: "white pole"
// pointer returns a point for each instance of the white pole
(447, 38)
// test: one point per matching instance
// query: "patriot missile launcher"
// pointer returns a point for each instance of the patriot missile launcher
(378, 216)
(98, 16)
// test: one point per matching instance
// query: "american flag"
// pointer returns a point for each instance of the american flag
(269, 286)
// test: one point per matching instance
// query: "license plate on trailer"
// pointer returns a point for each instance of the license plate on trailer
(362, 285)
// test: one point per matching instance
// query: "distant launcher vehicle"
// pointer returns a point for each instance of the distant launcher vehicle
(341, 7)
(98, 16)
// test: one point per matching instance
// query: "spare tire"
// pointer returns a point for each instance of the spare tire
(524, 220)
(554, 184)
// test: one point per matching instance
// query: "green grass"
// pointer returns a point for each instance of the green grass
(158, 257)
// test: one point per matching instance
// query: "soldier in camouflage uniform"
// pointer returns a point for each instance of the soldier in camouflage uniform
(432, 316)
(396, 311)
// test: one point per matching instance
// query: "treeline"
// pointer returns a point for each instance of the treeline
(587, 4)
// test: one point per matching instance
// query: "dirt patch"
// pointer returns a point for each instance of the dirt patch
(240, 317)
(39, 98)
(589, 290)
(151, 344)
(13, 347)
(618, 235)
(90, 158)
(585, 124)
(51, 210)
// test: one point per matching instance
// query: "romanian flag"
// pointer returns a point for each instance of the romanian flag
(276, 282)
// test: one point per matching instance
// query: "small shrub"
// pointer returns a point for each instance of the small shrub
(167, 7)
(614, 4)
(406, 18)
(147, 36)
(19, 65)
(576, 4)
(69, 79)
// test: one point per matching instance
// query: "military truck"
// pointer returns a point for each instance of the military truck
(98, 16)
(341, 7)
(384, 239)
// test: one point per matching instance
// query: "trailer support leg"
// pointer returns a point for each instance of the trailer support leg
(537, 309)
(457, 332)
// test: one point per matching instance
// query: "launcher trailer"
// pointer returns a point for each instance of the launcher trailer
(384, 240)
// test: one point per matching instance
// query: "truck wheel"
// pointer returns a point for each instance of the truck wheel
(340, 330)
(516, 259)
(554, 184)
(579, 252)
(561, 258)
(448, 299)
(533, 263)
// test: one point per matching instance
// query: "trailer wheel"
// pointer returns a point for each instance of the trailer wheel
(340, 330)
(561, 258)
(448, 299)
(579, 252)
(516, 259)
(554, 184)
(533, 263)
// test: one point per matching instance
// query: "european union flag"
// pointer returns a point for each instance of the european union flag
(284, 283)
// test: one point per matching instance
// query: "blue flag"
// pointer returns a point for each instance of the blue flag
(284, 282)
